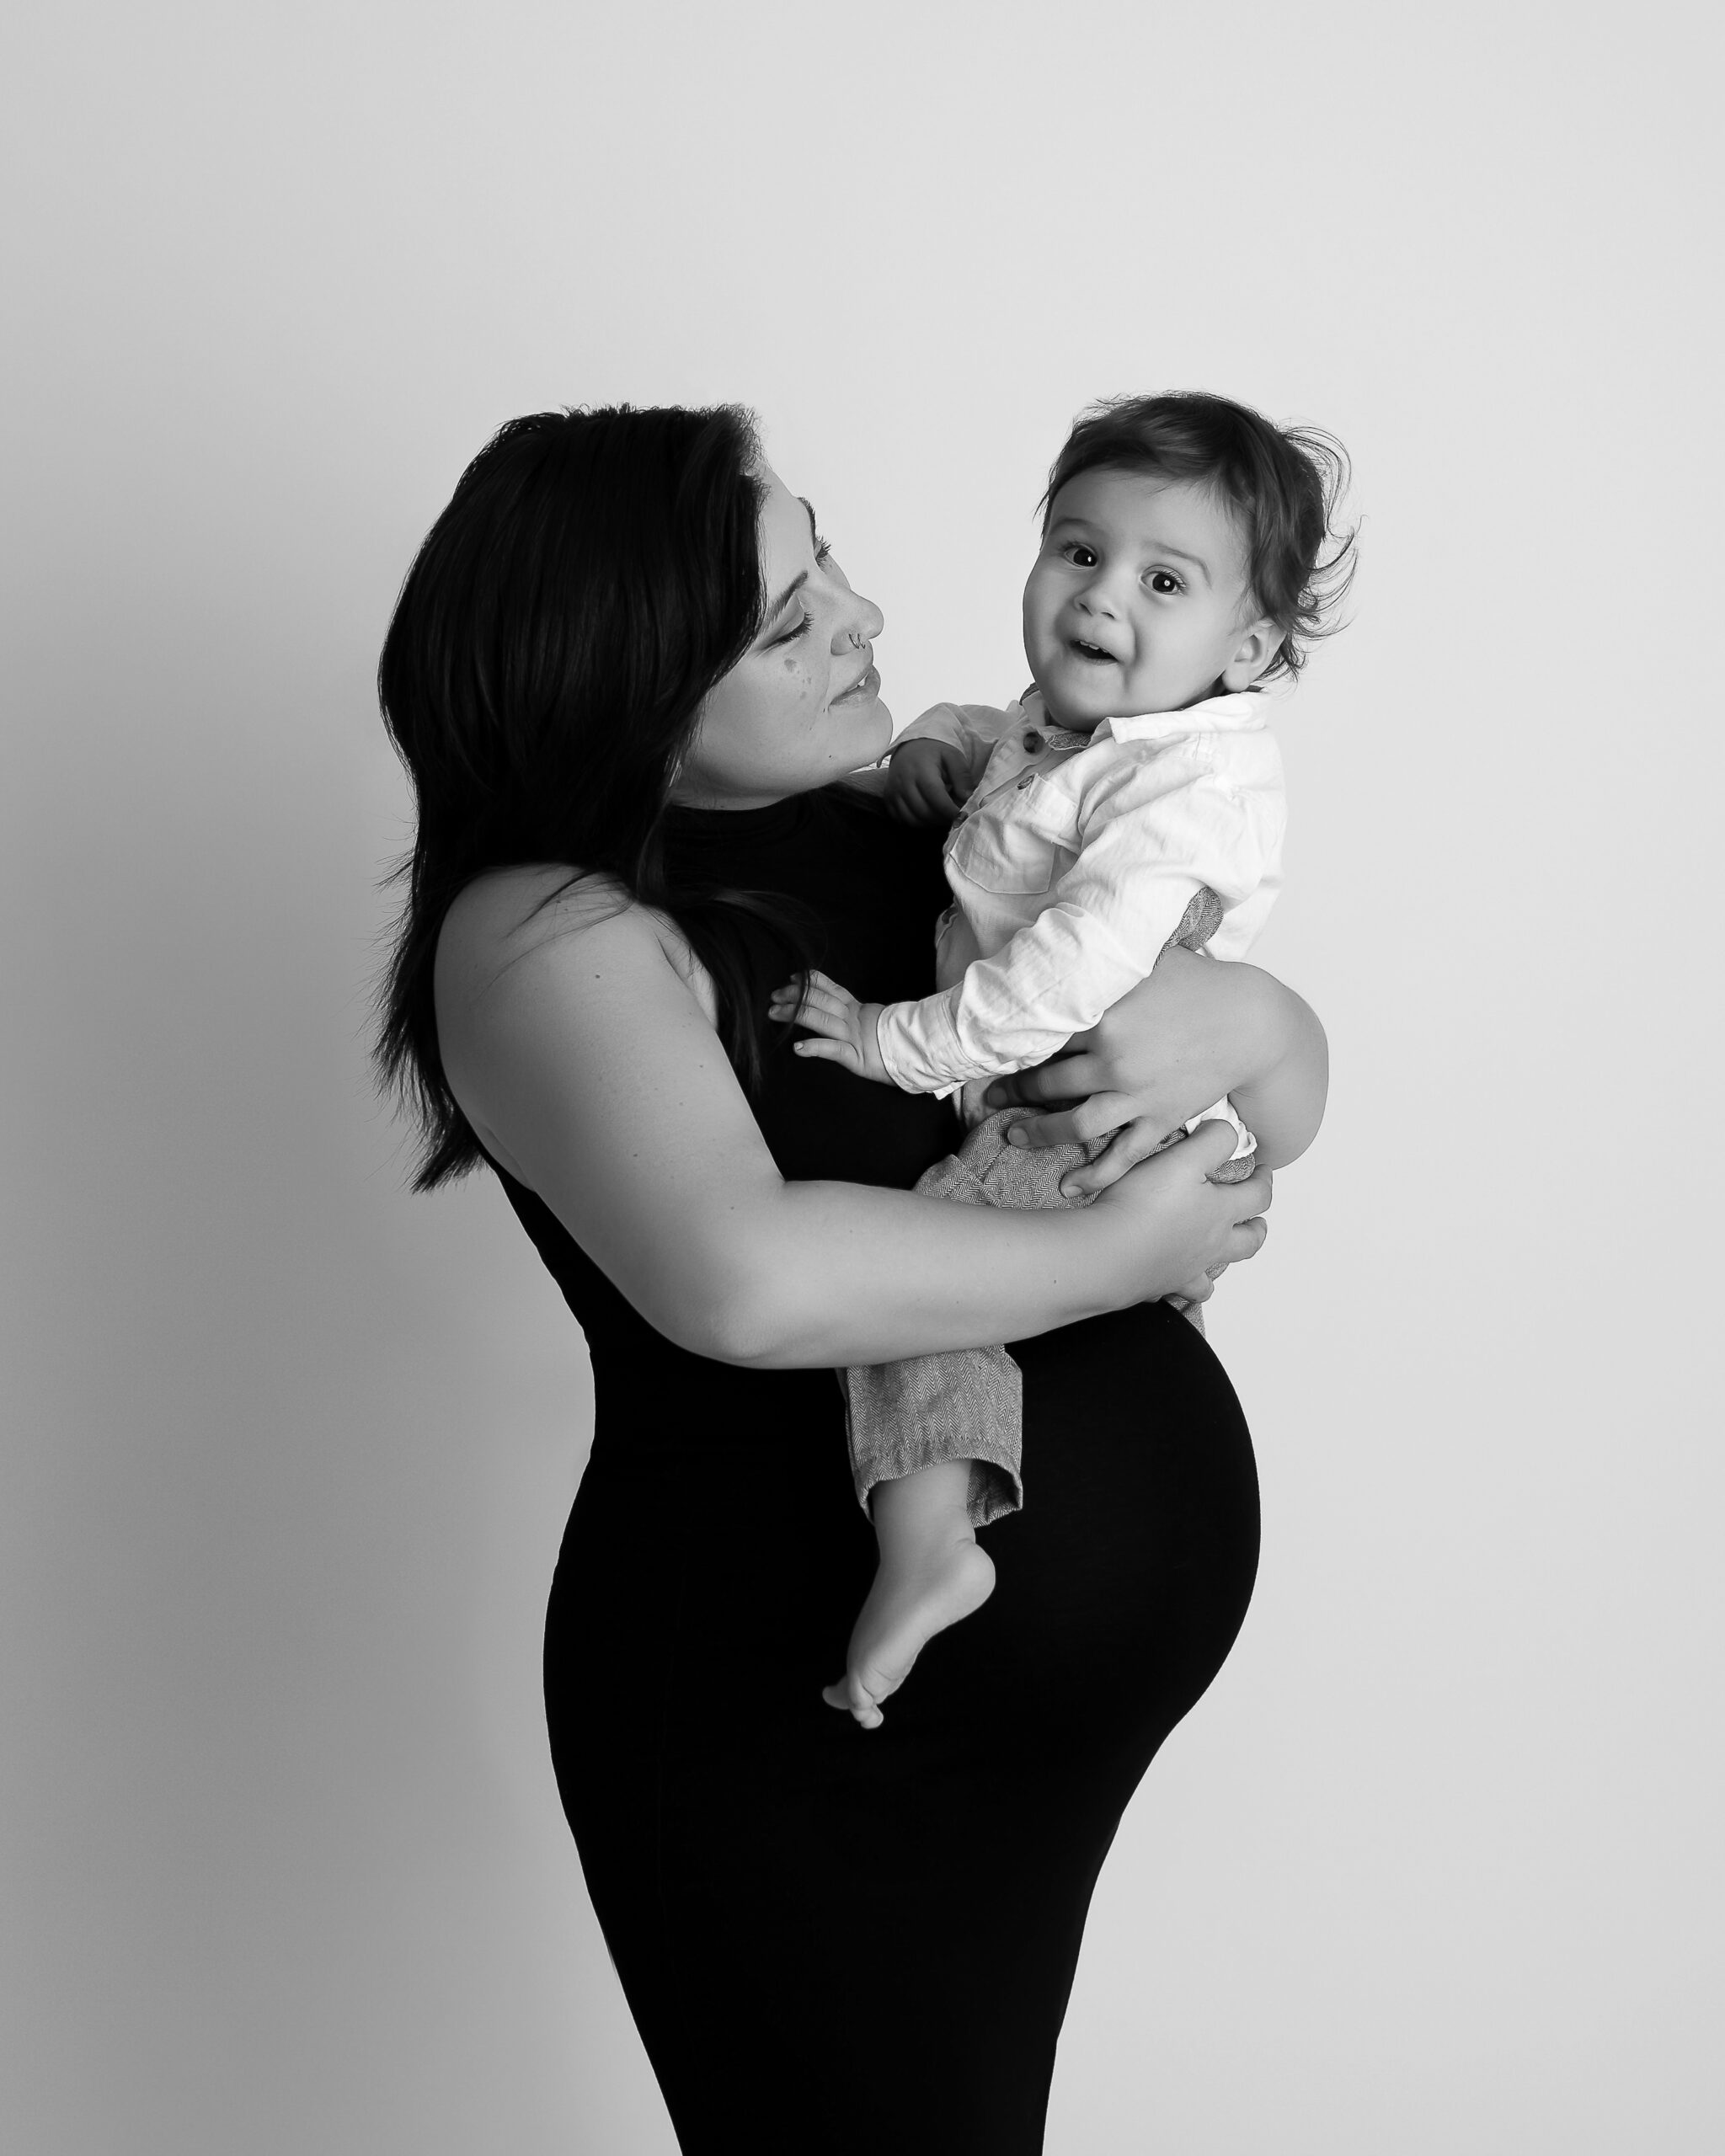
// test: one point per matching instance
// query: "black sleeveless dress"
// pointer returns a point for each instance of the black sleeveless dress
(834, 1940)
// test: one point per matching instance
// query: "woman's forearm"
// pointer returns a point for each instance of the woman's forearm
(837, 1274)
(840, 1273)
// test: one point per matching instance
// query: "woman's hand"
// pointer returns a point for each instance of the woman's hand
(1193, 1033)
(926, 781)
(1187, 1229)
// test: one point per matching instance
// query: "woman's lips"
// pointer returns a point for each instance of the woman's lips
(867, 686)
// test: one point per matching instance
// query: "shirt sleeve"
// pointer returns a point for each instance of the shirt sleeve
(1146, 846)
(973, 729)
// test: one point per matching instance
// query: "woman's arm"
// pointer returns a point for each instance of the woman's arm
(1194, 1032)
(588, 1068)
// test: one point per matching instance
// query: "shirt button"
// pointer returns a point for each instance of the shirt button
(1033, 742)
(1024, 782)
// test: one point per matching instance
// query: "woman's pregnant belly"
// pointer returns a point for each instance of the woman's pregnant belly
(769, 1875)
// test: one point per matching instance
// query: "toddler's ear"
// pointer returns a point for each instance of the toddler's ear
(1258, 646)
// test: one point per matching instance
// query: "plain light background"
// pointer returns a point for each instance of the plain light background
(1435, 1866)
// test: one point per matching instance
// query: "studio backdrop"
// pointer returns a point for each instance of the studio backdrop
(288, 1451)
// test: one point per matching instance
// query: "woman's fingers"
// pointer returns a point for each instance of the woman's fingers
(1068, 1078)
(1088, 1119)
(1255, 1195)
(1135, 1142)
(1214, 1142)
(1245, 1241)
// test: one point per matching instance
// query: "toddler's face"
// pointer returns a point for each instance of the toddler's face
(1138, 600)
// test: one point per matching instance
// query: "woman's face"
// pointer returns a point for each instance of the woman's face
(802, 705)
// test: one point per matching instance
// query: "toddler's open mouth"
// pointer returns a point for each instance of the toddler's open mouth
(1093, 652)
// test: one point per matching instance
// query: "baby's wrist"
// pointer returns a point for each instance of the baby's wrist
(874, 1062)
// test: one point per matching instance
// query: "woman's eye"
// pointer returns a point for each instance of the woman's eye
(798, 627)
(1165, 582)
(823, 551)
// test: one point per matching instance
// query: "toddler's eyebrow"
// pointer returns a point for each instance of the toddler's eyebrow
(1180, 553)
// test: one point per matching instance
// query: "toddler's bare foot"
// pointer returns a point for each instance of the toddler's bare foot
(923, 1585)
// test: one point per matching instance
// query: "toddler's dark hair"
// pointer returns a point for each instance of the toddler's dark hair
(1282, 483)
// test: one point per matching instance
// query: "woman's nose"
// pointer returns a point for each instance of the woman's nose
(863, 624)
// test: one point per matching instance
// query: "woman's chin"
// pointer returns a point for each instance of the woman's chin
(872, 736)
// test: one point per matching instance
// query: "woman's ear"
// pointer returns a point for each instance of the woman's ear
(1258, 646)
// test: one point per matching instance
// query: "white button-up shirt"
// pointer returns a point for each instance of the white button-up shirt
(1071, 864)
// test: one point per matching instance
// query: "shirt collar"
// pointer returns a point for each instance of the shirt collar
(1242, 711)
(1035, 714)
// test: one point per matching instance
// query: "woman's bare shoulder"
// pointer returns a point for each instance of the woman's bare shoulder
(519, 921)
(555, 993)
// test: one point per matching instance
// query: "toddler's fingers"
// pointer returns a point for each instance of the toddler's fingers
(823, 995)
(831, 1051)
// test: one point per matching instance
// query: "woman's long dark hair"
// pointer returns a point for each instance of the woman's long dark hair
(594, 574)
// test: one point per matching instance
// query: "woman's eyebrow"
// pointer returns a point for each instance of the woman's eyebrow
(784, 599)
(800, 579)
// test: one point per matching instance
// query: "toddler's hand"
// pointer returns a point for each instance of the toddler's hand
(925, 782)
(845, 1029)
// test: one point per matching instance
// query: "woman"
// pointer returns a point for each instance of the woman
(624, 672)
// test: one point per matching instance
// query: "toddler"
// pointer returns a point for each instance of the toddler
(1132, 797)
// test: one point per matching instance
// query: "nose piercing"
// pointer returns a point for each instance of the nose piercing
(858, 643)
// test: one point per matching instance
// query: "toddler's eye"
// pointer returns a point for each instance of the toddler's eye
(1165, 582)
(1079, 555)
